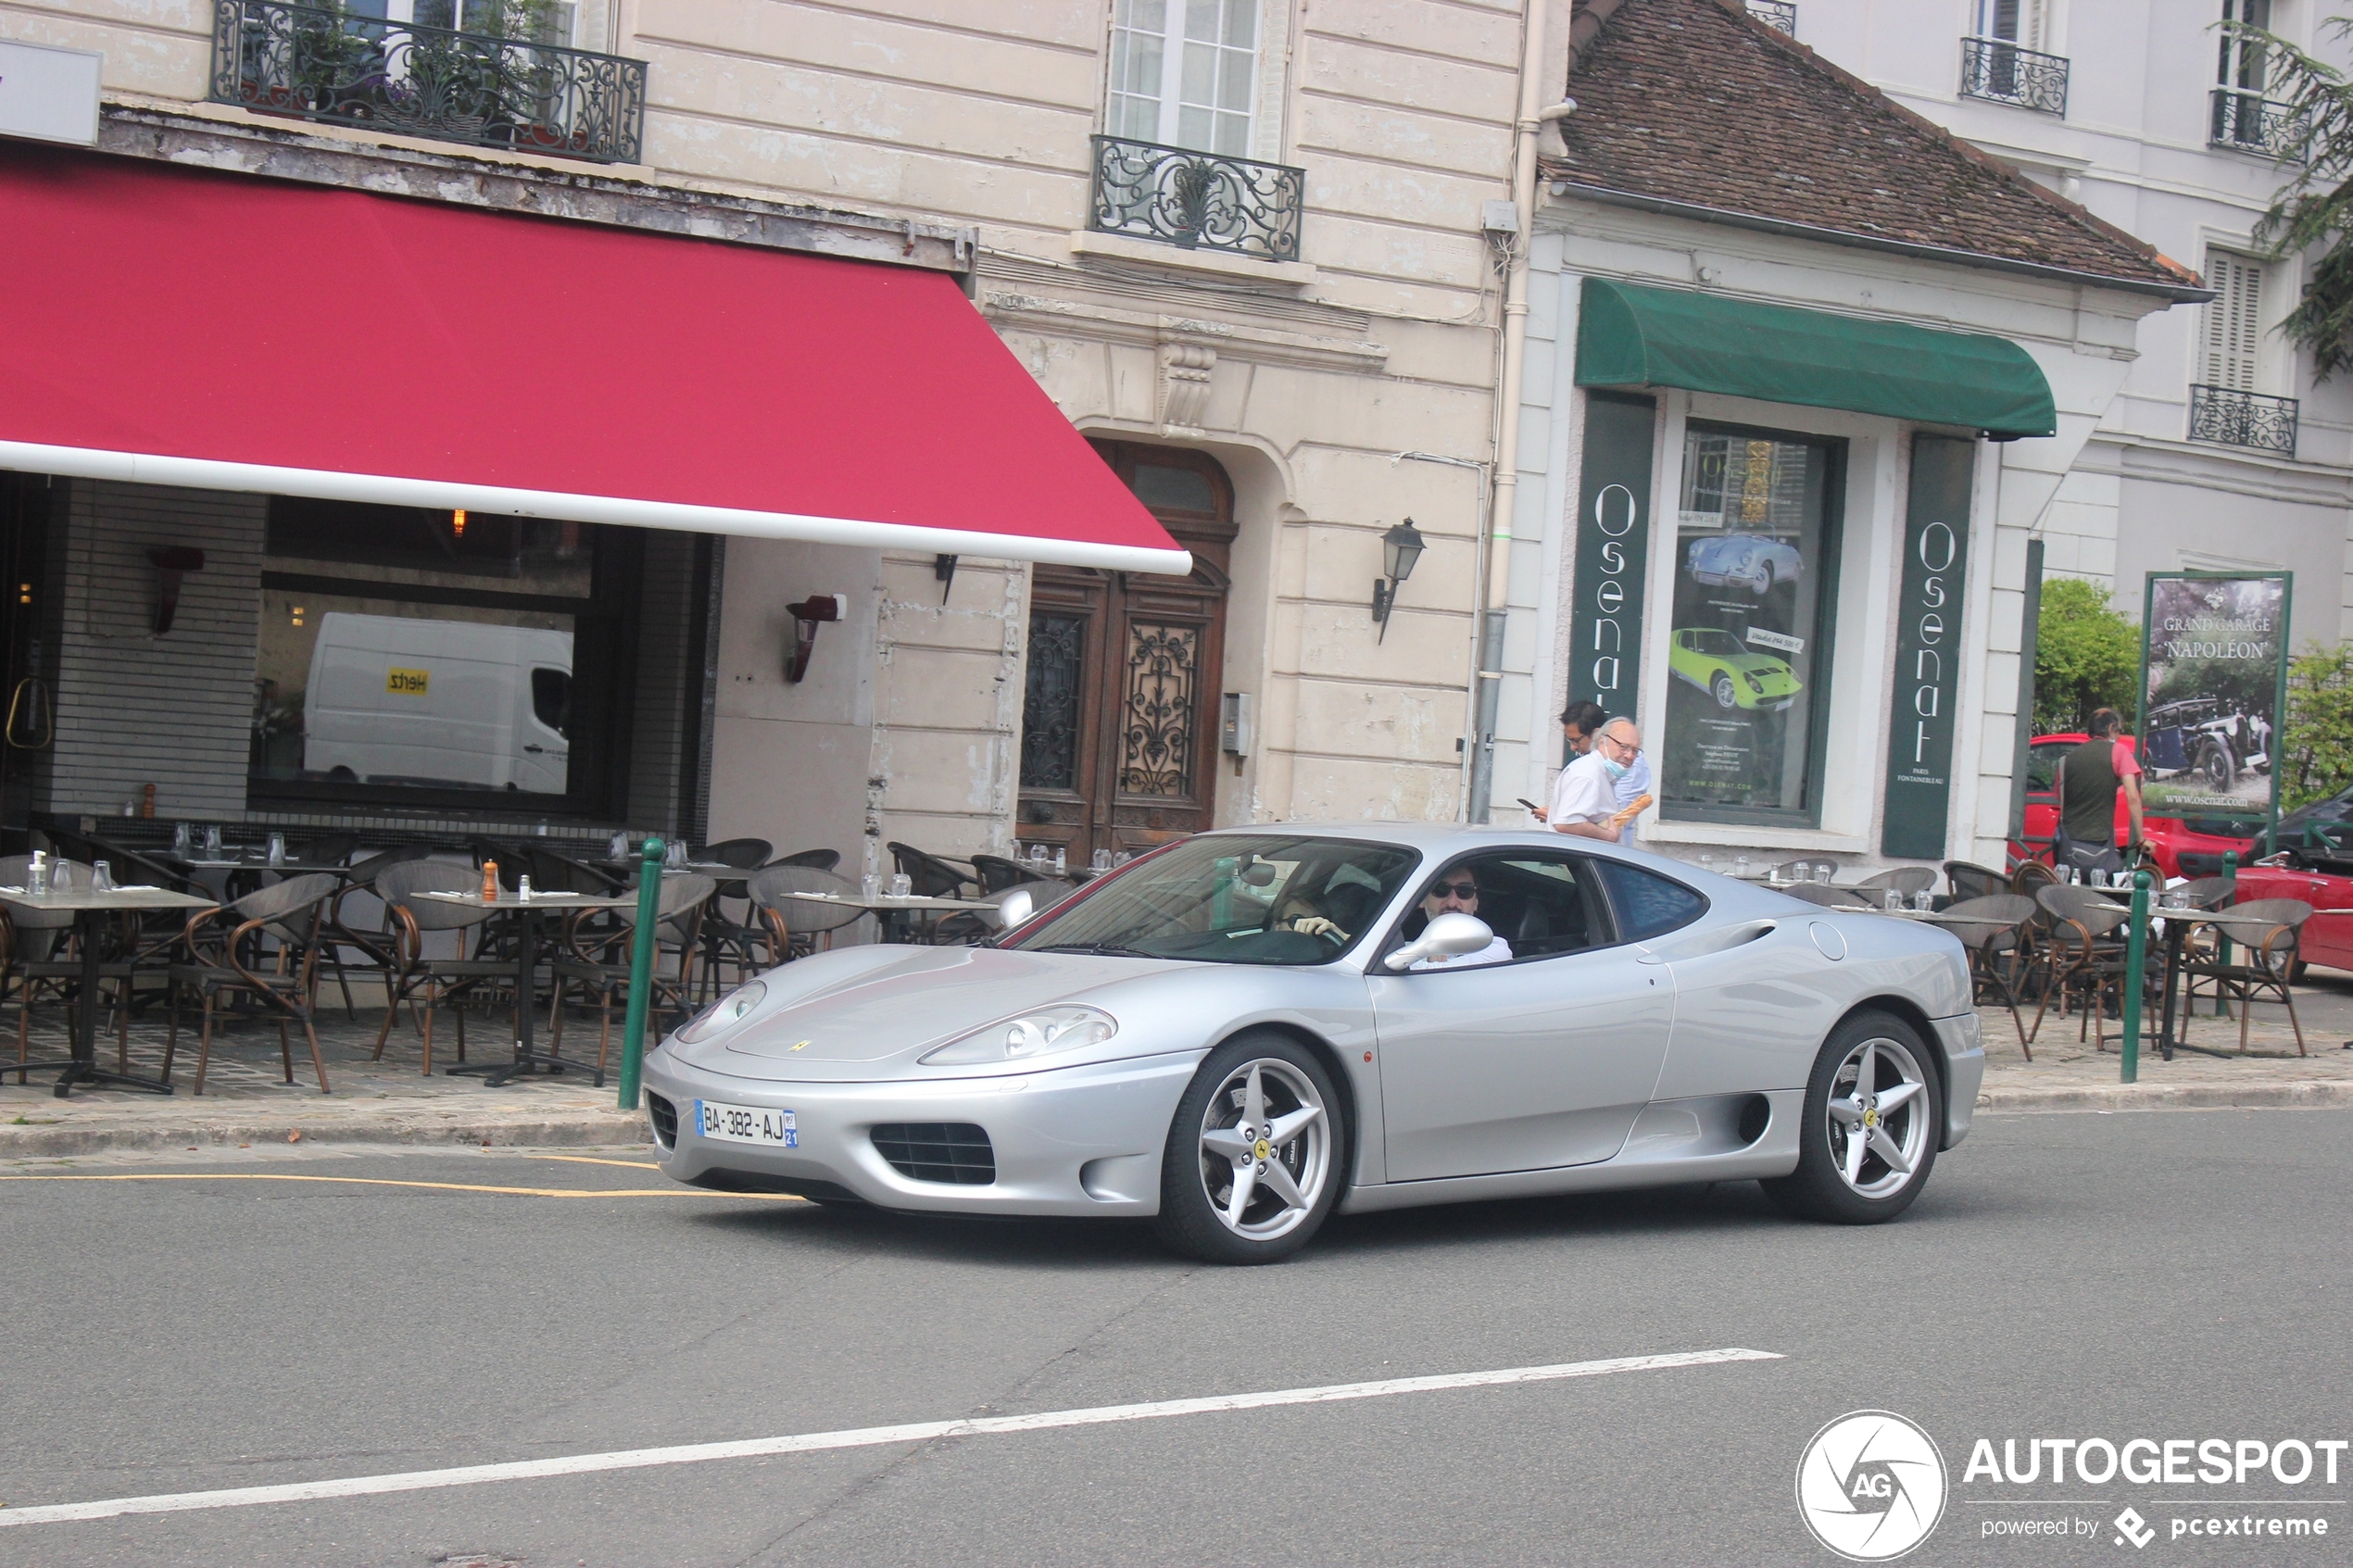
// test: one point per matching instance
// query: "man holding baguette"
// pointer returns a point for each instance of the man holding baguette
(1585, 801)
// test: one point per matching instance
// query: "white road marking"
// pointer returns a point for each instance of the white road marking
(859, 1437)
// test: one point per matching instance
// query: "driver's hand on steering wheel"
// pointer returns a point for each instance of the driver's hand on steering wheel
(1316, 925)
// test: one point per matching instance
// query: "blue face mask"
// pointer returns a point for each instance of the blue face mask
(1617, 769)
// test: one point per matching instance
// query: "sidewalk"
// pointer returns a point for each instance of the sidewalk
(246, 1103)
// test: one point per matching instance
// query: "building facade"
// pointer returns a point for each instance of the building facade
(1245, 247)
(2220, 452)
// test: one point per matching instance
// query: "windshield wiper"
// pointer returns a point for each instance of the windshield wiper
(1101, 949)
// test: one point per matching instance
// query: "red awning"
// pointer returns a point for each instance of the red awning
(182, 326)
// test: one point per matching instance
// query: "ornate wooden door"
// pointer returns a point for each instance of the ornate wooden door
(1119, 717)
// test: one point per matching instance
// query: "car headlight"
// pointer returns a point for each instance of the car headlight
(727, 1011)
(1047, 1031)
(1753, 683)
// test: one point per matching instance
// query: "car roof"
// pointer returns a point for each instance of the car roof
(1439, 839)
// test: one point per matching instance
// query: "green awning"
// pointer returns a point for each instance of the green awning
(1628, 335)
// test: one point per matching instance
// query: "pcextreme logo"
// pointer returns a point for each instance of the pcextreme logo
(1872, 1485)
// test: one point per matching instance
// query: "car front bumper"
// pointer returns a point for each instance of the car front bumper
(1071, 1140)
(1964, 1044)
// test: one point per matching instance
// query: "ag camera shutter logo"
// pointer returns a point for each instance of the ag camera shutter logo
(1872, 1485)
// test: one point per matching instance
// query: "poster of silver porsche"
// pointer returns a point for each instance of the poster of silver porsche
(1239, 1035)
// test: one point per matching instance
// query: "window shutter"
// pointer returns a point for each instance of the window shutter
(2234, 322)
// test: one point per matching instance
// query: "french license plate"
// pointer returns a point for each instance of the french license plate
(747, 1124)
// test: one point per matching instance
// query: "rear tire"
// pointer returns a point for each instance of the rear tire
(1884, 1058)
(1261, 1116)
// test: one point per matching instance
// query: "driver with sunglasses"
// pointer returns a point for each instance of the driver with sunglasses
(1456, 893)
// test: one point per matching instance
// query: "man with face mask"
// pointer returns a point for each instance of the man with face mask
(1585, 802)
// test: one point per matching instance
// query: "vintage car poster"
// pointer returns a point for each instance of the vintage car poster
(2213, 687)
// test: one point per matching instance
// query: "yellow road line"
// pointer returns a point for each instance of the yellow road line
(443, 1186)
(589, 1160)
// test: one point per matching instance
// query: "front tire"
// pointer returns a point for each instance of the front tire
(1256, 1153)
(1874, 1113)
(1727, 694)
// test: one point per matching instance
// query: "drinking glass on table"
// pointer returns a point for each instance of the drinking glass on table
(1739, 867)
(212, 842)
(183, 841)
(902, 885)
(277, 850)
(870, 885)
(1923, 900)
(675, 855)
(1894, 900)
(1100, 862)
(1822, 874)
(101, 877)
(619, 847)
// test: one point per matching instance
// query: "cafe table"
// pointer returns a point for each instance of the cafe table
(528, 912)
(89, 911)
(889, 913)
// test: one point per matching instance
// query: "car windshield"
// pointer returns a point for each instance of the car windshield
(1710, 640)
(1261, 899)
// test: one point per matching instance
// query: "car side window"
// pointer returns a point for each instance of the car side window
(2042, 766)
(1648, 905)
(1541, 903)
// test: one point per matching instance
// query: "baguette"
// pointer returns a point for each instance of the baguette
(1628, 813)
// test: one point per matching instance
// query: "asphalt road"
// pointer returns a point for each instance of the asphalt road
(2176, 1275)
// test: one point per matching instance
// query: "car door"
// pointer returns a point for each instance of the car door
(1542, 1062)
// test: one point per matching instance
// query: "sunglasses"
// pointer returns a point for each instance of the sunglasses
(1456, 889)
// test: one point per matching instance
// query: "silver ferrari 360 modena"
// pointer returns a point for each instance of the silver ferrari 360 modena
(1244, 1031)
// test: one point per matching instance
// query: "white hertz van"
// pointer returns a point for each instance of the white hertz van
(460, 703)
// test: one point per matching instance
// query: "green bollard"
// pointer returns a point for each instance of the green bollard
(641, 971)
(2135, 957)
(2222, 945)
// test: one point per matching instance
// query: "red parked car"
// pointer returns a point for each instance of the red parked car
(2191, 846)
(2314, 863)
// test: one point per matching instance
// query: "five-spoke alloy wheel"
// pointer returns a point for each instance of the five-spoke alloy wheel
(1874, 1114)
(1253, 1163)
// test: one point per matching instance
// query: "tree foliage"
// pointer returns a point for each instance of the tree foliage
(2086, 655)
(2313, 211)
(2317, 753)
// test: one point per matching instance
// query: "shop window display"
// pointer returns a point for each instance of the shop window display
(1755, 565)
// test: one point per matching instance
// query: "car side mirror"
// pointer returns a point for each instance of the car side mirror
(1011, 909)
(1448, 937)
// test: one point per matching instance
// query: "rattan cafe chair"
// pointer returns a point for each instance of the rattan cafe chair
(428, 981)
(790, 928)
(932, 877)
(2083, 952)
(1994, 929)
(264, 946)
(1906, 880)
(2266, 933)
(1969, 880)
(598, 963)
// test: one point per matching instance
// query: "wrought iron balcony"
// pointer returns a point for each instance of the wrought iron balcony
(1997, 69)
(1202, 201)
(1778, 15)
(2249, 122)
(515, 93)
(2233, 418)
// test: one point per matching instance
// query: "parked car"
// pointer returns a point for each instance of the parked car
(2182, 845)
(1727, 670)
(2197, 734)
(463, 703)
(2314, 862)
(1250, 1029)
(1744, 557)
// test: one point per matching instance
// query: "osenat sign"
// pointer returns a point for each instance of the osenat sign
(1928, 634)
(1612, 551)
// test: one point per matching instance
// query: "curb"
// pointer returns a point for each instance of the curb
(2176, 1096)
(600, 1127)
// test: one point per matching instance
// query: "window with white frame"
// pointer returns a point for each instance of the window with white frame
(2232, 352)
(2026, 23)
(2242, 59)
(1184, 73)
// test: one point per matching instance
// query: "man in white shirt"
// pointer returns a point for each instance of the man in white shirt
(1585, 795)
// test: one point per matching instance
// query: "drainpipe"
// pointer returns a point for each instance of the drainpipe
(1494, 588)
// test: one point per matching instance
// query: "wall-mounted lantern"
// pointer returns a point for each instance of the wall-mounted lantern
(807, 616)
(171, 563)
(1399, 548)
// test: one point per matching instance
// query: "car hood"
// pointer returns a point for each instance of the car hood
(867, 1013)
(1759, 664)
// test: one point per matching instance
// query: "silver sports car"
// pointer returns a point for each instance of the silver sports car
(1244, 1031)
